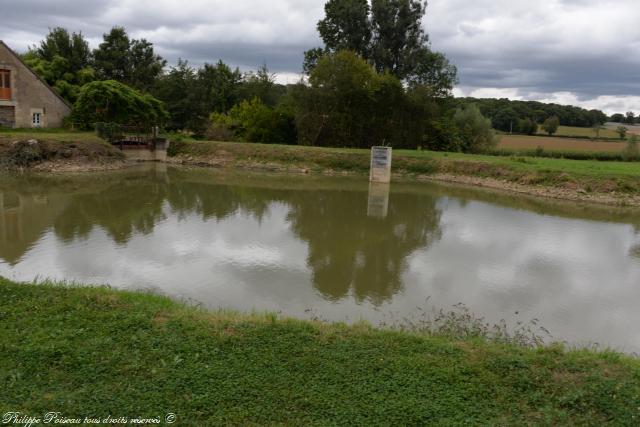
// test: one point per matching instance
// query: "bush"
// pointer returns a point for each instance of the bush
(443, 136)
(551, 125)
(476, 134)
(112, 102)
(252, 121)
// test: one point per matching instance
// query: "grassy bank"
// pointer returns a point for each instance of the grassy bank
(95, 352)
(610, 182)
(576, 175)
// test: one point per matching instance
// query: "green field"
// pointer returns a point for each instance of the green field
(582, 132)
(93, 352)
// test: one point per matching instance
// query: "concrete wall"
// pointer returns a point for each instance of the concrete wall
(144, 154)
(30, 94)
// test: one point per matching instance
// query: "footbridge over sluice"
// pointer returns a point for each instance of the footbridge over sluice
(136, 142)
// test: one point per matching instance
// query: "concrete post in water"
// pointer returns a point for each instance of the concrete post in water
(378, 200)
(380, 164)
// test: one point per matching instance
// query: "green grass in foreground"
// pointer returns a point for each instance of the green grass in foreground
(98, 352)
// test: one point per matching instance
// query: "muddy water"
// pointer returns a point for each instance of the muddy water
(333, 247)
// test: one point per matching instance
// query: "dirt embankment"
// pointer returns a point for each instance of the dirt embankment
(58, 156)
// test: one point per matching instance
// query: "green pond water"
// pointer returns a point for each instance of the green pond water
(334, 248)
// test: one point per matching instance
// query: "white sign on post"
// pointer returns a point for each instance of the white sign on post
(380, 164)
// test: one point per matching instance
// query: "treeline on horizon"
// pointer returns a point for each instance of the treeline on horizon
(505, 113)
(376, 80)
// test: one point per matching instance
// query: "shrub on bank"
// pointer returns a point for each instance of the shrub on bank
(114, 102)
(253, 121)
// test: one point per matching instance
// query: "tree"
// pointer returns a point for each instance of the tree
(537, 111)
(182, 94)
(144, 65)
(261, 85)
(63, 60)
(218, 87)
(630, 118)
(192, 95)
(390, 36)
(436, 72)
(346, 26)
(475, 130)
(398, 38)
(311, 58)
(72, 47)
(506, 120)
(113, 102)
(348, 104)
(597, 117)
(112, 57)
(617, 118)
(622, 131)
(551, 125)
(132, 62)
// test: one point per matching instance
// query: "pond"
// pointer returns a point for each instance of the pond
(334, 248)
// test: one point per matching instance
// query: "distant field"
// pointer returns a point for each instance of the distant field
(586, 132)
(523, 142)
(633, 129)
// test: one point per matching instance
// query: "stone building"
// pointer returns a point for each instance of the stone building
(25, 99)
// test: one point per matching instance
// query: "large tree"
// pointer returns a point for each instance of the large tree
(219, 86)
(71, 46)
(389, 34)
(63, 60)
(346, 26)
(348, 104)
(180, 91)
(133, 62)
(400, 43)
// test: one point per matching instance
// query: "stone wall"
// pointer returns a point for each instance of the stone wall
(30, 94)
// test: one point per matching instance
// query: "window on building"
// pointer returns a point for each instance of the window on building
(36, 119)
(5, 84)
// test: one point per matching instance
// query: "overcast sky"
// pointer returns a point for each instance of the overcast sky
(583, 52)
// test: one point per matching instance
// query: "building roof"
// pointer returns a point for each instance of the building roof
(3, 44)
